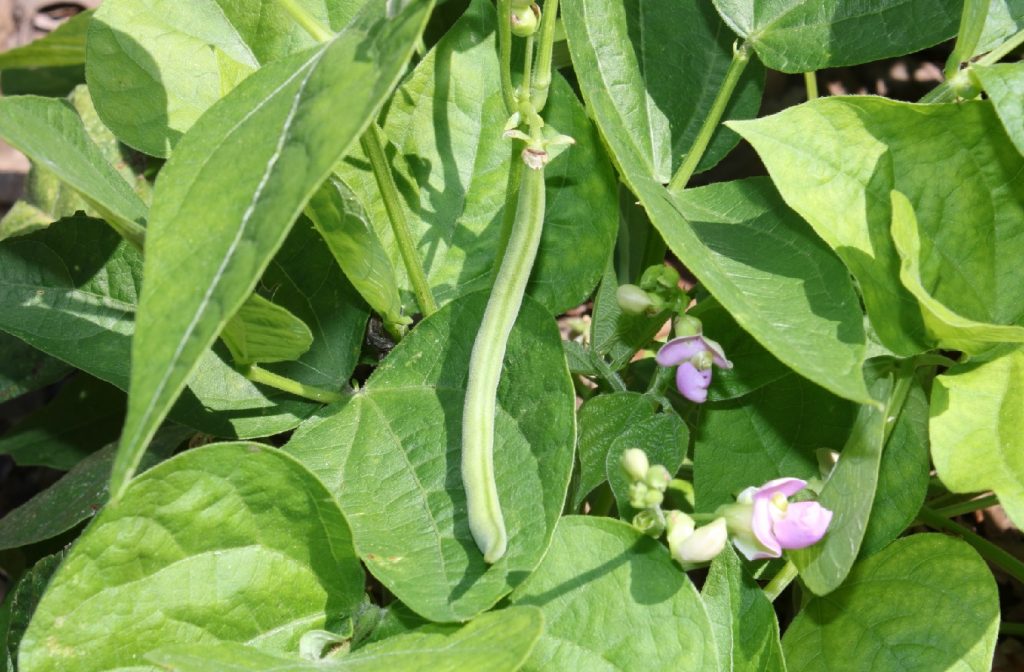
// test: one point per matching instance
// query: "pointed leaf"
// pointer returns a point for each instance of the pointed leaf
(612, 597)
(946, 617)
(262, 332)
(25, 598)
(1004, 85)
(805, 35)
(22, 367)
(198, 550)
(976, 415)
(835, 160)
(64, 46)
(236, 183)
(391, 454)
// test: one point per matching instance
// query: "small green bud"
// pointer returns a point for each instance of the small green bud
(658, 478)
(687, 325)
(965, 84)
(660, 277)
(653, 498)
(634, 300)
(634, 463)
(638, 495)
(650, 521)
(525, 20)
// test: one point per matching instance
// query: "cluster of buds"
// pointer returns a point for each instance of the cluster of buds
(761, 524)
(657, 292)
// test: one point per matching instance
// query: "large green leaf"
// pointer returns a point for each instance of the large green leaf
(976, 414)
(612, 600)
(24, 599)
(945, 617)
(72, 289)
(85, 415)
(849, 493)
(835, 161)
(228, 542)
(756, 257)
(803, 35)
(665, 62)
(52, 134)
(451, 165)
(946, 328)
(1004, 85)
(23, 368)
(391, 455)
(770, 433)
(744, 623)
(64, 46)
(225, 201)
(611, 423)
(77, 496)
(155, 66)
(498, 641)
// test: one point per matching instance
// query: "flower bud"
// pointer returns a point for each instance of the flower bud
(653, 498)
(634, 301)
(680, 526)
(638, 495)
(659, 277)
(686, 326)
(525, 20)
(650, 521)
(658, 477)
(702, 545)
(634, 463)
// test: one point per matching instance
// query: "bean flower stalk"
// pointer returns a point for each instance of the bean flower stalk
(486, 520)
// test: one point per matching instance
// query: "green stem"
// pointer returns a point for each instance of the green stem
(811, 82)
(740, 58)
(608, 374)
(985, 548)
(943, 93)
(663, 376)
(1011, 629)
(486, 521)
(545, 49)
(904, 380)
(780, 581)
(264, 377)
(306, 20)
(967, 507)
(524, 90)
(373, 147)
(508, 91)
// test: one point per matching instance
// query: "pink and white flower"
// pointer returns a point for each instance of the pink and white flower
(763, 522)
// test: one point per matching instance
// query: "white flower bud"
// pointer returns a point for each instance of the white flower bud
(702, 545)
(634, 463)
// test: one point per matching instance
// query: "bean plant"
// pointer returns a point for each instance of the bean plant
(395, 335)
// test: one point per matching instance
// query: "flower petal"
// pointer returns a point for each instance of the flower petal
(787, 486)
(692, 382)
(763, 526)
(678, 350)
(805, 523)
(750, 549)
(717, 353)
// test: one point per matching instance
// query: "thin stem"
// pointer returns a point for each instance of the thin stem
(943, 93)
(486, 521)
(373, 147)
(508, 91)
(780, 581)
(264, 377)
(608, 374)
(524, 91)
(545, 49)
(967, 507)
(663, 376)
(904, 380)
(1011, 629)
(740, 58)
(811, 82)
(306, 20)
(984, 547)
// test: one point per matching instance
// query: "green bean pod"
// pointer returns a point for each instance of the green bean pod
(486, 521)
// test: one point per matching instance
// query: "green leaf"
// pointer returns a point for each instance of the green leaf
(758, 259)
(51, 133)
(611, 423)
(1005, 17)
(1004, 85)
(946, 617)
(23, 368)
(611, 598)
(199, 550)
(348, 233)
(262, 331)
(903, 475)
(835, 160)
(849, 493)
(946, 328)
(770, 433)
(78, 495)
(972, 24)
(391, 455)
(805, 35)
(498, 641)
(85, 415)
(25, 598)
(451, 165)
(742, 619)
(976, 414)
(64, 46)
(155, 66)
(72, 290)
(666, 62)
(227, 198)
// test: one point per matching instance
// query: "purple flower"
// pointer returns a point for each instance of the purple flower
(694, 356)
(763, 522)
